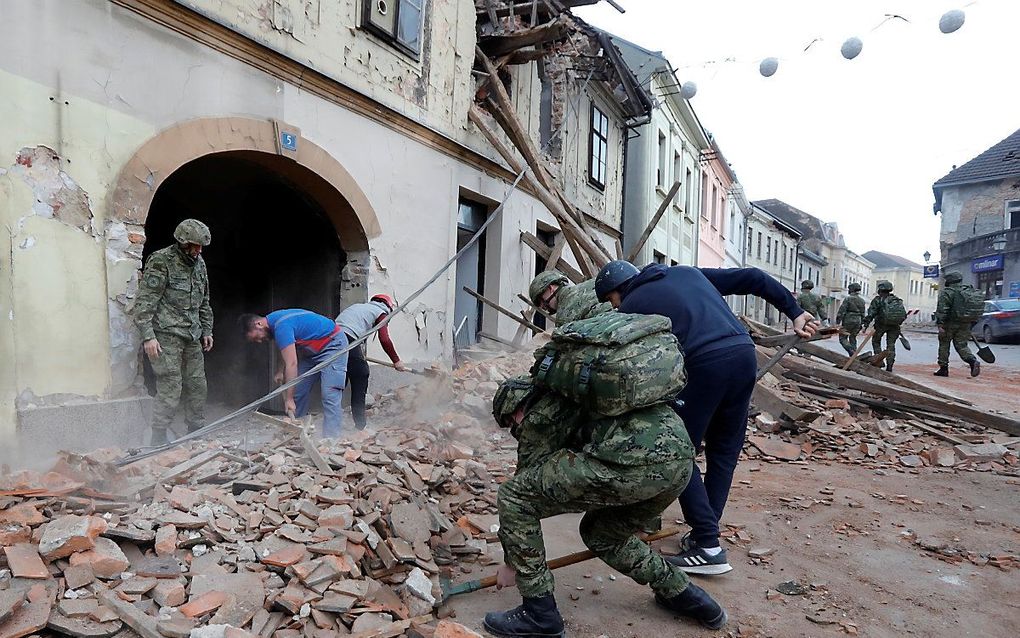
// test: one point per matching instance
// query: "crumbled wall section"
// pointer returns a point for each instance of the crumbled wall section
(124, 243)
(57, 196)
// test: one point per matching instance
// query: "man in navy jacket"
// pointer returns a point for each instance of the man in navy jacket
(721, 368)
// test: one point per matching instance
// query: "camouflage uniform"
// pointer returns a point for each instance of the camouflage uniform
(955, 332)
(812, 303)
(631, 469)
(850, 315)
(891, 333)
(578, 302)
(173, 308)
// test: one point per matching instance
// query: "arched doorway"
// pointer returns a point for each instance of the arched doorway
(290, 229)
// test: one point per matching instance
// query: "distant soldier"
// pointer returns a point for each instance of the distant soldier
(552, 292)
(958, 308)
(809, 301)
(888, 313)
(173, 314)
(851, 314)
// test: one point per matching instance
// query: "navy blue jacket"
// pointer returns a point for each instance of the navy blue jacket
(692, 298)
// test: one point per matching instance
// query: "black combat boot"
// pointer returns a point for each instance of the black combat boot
(888, 366)
(975, 367)
(943, 371)
(535, 618)
(694, 602)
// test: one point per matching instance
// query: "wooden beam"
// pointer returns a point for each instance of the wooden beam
(650, 228)
(527, 301)
(770, 401)
(904, 396)
(545, 252)
(502, 310)
(773, 341)
(556, 252)
(306, 441)
(522, 38)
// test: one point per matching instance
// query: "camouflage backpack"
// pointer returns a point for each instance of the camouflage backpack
(970, 305)
(612, 363)
(893, 312)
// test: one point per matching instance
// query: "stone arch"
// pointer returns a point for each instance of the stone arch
(308, 166)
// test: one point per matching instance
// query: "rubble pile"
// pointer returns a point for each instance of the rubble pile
(227, 542)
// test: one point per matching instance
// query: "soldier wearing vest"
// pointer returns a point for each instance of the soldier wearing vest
(173, 315)
(888, 313)
(356, 321)
(551, 291)
(955, 316)
(809, 301)
(850, 315)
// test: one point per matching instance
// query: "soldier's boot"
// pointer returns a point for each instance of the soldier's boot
(158, 436)
(943, 371)
(694, 602)
(194, 427)
(888, 366)
(535, 618)
(975, 367)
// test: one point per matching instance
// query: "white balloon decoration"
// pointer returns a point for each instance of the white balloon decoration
(951, 20)
(851, 48)
(768, 67)
(688, 90)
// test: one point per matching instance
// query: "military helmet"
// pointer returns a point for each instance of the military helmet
(192, 231)
(542, 281)
(854, 287)
(510, 395)
(954, 277)
(807, 284)
(884, 286)
(612, 276)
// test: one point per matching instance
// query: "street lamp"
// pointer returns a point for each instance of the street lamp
(999, 243)
(927, 256)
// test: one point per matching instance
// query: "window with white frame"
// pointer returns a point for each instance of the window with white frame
(1012, 214)
(688, 193)
(660, 171)
(599, 148)
(398, 21)
(715, 210)
(678, 167)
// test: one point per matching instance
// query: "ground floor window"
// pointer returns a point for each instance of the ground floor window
(991, 283)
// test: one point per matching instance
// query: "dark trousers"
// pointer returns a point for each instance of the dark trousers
(357, 377)
(716, 400)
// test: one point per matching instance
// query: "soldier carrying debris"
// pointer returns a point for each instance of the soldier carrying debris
(958, 308)
(615, 451)
(173, 314)
(551, 291)
(888, 313)
(850, 315)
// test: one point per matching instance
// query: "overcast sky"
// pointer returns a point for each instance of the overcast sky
(856, 142)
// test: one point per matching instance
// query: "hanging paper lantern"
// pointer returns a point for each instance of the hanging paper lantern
(688, 90)
(951, 20)
(851, 48)
(768, 67)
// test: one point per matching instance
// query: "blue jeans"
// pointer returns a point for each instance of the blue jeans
(332, 379)
(716, 401)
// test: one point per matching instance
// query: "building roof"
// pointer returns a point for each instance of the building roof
(885, 260)
(809, 226)
(998, 162)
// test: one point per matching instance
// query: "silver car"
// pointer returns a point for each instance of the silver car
(1001, 320)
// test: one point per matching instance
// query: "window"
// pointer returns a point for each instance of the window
(658, 257)
(768, 249)
(715, 210)
(704, 199)
(687, 193)
(809, 273)
(775, 257)
(750, 235)
(800, 271)
(733, 226)
(660, 171)
(759, 244)
(599, 154)
(1012, 214)
(678, 167)
(792, 259)
(399, 21)
(784, 258)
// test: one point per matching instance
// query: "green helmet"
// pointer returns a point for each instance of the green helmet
(192, 231)
(807, 284)
(954, 277)
(854, 287)
(884, 286)
(510, 395)
(542, 281)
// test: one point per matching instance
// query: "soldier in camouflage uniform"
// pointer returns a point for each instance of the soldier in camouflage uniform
(809, 301)
(173, 314)
(891, 333)
(955, 332)
(551, 291)
(622, 472)
(850, 315)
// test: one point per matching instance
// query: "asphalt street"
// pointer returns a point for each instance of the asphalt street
(924, 349)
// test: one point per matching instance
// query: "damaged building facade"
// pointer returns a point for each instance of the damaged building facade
(327, 145)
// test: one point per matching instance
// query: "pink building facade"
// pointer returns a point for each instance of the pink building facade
(717, 180)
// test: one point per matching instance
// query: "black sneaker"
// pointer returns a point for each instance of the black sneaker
(535, 618)
(695, 560)
(694, 602)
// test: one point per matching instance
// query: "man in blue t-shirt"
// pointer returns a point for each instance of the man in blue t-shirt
(305, 339)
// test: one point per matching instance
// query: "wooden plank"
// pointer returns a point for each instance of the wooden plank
(191, 464)
(864, 341)
(653, 222)
(556, 252)
(773, 341)
(768, 400)
(491, 337)
(306, 441)
(542, 250)
(502, 310)
(545, 314)
(905, 396)
(521, 38)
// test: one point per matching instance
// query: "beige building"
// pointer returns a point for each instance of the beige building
(909, 284)
(771, 245)
(327, 145)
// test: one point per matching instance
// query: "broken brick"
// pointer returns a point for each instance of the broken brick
(166, 540)
(106, 559)
(68, 534)
(450, 629)
(24, 561)
(204, 604)
(169, 593)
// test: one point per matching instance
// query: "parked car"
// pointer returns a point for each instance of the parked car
(1001, 320)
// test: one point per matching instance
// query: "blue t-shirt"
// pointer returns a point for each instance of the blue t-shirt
(307, 330)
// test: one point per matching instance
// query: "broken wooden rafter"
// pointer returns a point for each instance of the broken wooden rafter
(527, 301)
(498, 308)
(653, 222)
(506, 42)
(543, 251)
